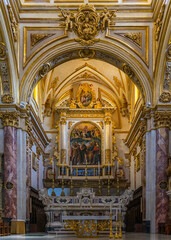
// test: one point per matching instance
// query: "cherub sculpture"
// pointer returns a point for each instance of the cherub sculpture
(68, 19)
(106, 17)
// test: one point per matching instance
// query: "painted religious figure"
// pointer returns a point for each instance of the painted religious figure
(85, 144)
(85, 98)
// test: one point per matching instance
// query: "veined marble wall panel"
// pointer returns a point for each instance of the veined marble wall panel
(138, 173)
(33, 172)
(2, 140)
(21, 174)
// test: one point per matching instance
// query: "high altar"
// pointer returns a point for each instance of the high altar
(85, 165)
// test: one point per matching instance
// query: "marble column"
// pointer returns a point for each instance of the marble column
(162, 200)
(63, 141)
(107, 140)
(10, 172)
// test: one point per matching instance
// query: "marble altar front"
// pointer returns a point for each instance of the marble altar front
(65, 212)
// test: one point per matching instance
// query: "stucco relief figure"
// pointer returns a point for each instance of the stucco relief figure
(85, 144)
(106, 17)
(68, 18)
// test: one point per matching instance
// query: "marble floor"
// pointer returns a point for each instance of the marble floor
(127, 236)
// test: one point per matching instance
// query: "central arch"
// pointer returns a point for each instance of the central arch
(103, 50)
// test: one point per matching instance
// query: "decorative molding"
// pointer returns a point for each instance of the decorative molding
(166, 83)
(134, 37)
(36, 38)
(13, 23)
(158, 23)
(87, 23)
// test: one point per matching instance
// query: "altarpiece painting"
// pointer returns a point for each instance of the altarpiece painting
(85, 144)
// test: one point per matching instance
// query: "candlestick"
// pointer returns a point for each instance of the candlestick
(111, 236)
(120, 226)
(98, 167)
(86, 175)
(62, 193)
(108, 186)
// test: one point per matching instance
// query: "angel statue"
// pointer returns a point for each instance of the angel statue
(106, 17)
(67, 19)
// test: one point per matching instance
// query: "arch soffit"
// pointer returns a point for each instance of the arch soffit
(114, 55)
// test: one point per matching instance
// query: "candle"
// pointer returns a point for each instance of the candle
(71, 167)
(99, 167)
(108, 168)
(62, 168)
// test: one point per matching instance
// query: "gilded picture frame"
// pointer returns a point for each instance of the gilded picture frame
(34, 161)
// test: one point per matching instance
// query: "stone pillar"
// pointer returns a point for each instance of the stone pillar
(63, 140)
(150, 193)
(14, 172)
(9, 122)
(107, 140)
(162, 121)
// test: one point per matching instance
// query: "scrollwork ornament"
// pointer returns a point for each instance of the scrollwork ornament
(3, 53)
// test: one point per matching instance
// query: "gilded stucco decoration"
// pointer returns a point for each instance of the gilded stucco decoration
(165, 97)
(127, 69)
(6, 85)
(86, 96)
(3, 53)
(7, 98)
(135, 37)
(13, 22)
(162, 119)
(86, 23)
(86, 53)
(44, 70)
(158, 23)
(10, 119)
(36, 38)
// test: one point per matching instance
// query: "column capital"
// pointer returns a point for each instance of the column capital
(162, 119)
(63, 121)
(107, 121)
(10, 119)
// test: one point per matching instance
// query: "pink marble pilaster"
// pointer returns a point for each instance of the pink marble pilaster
(162, 200)
(10, 171)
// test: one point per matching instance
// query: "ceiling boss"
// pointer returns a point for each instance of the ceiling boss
(87, 23)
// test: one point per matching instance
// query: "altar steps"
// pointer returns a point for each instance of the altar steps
(64, 232)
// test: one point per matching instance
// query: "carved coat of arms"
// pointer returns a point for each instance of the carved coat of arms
(86, 23)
